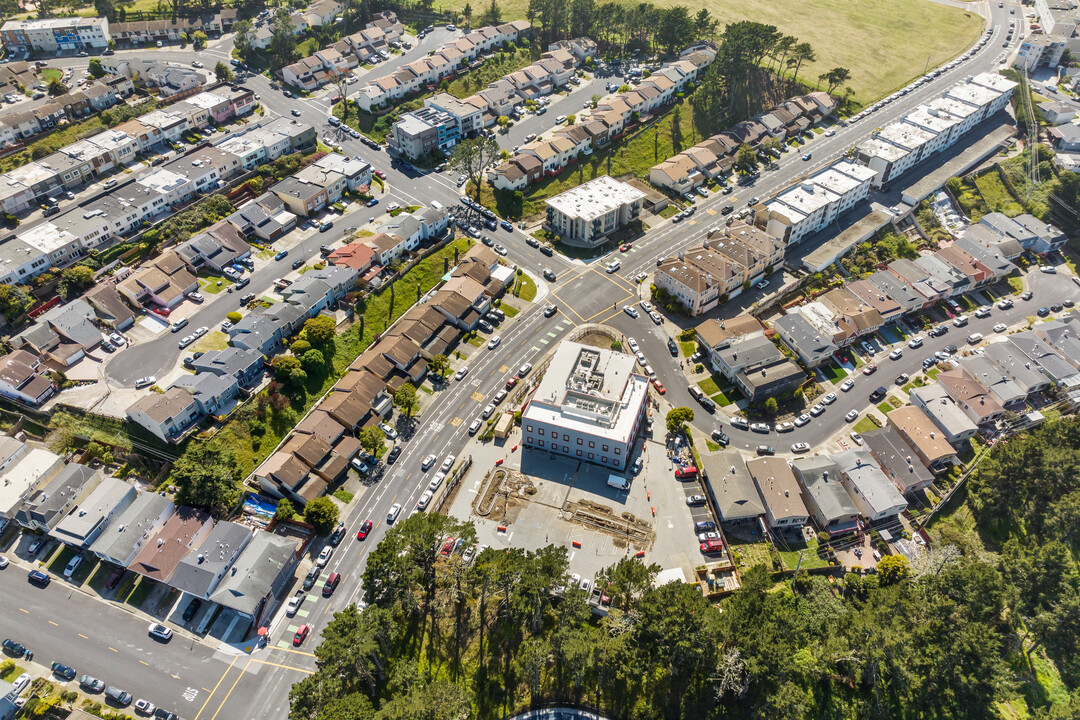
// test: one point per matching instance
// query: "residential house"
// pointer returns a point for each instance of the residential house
(736, 496)
(123, 538)
(168, 415)
(23, 378)
(775, 481)
(214, 395)
(45, 508)
(265, 218)
(206, 564)
(813, 347)
(83, 525)
(897, 459)
(873, 492)
(262, 572)
(245, 366)
(31, 471)
(955, 424)
(1017, 367)
(184, 531)
(922, 435)
(1059, 369)
(823, 491)
(815, 202)
(971, 396)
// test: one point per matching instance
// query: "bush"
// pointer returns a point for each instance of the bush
(234, 317)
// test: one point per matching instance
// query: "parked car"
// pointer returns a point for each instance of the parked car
(160, 632)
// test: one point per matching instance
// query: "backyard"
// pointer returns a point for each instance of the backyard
(883, 43)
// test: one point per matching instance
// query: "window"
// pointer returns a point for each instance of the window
(603, 458)
(541, 431)
(566, 437)
(618, 451)
(579, 453)
(605, 448)
(529, 440)
(531, 429)
(591, 456)
(579, 441)
(617, 463)
(541, 443)
(592, 445)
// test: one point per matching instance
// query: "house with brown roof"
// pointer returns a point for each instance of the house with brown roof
(718, 335)
(350, 411)
(320, 424)
(861, 316)
(318, 455)
(870, 294)
(163, 282)
(971, 396)
(356, 255)
(283, 475)
(182, 533)
(924, 437)
(776, 483)
(22, 378)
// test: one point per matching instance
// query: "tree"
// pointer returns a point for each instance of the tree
(493, 15)
(74, 280)
(677, 418)
(439, 365)
(282, 39)
(372, 440)
(14, 301)
(472, 157)
(198, 40)
(893, 569)
(223, 72)
(103, 8)
(771, 406)
(285, 510)
(705, 24)
(313, 362)
(676, 129)
(745, 158)
(340, 81)
(835, 77)
(242, 37)
(319, 330)
(288, 371)
(56, 88)
(322, 514)
(405, 399)
(299, 347)
(206, 478)
(95, 68)
(803, 52)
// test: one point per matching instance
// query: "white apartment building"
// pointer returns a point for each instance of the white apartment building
(53, 35)
(61, 247)
(588, 406)
(815, 202)
(585, 215)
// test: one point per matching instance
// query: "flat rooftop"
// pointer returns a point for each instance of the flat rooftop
(595, 198)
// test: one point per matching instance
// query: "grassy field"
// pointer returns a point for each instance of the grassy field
(790, 555)
(497, 66)
(997, 196)
(883, 43)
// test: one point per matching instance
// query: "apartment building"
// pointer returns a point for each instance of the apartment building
(815, 202)
(52, 35)
(587, 214)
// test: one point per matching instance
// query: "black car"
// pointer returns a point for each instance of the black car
(161, 714)
(14, 648)
(245, 299)
(1056, 307)
(338, 535)
(1043, 311)
(487, 241)
(298, 264)
(951, 349)
(939, 330)
(549, 276)
(672, 348)
(191, 609)
(878, 394)
(325, 249)
(546, 250)
(38, 578)
(727, 209)
(766, 450)
(393, 454)
(311, 578)
(721, 438)
(63, 671)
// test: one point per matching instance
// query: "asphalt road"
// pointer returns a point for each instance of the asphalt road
(583, 292)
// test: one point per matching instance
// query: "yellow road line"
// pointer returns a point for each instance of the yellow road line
(214, 717)
(25, 611)
(53, 624)
(82, 636)
(296, 652)
(287, 667)
(205, 702)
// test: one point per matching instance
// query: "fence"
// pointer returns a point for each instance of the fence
(452, 483)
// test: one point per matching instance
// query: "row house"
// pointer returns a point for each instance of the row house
(815, 202)
(143, 32)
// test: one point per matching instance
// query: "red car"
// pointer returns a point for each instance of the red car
(364, 530)
(164, 312)
(625, 247)
(448, 546)
(335, 99)
(709, 546)
(511, 383)
(685, 471)
(659, 387)
(380, 174)
(301, 635)
(869, 369)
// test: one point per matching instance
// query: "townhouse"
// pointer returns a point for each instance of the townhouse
(736, 496)
(779, 491)
(897, 458)
(872, 491)
(53, 35)
(24, 379)
(264, 218)
(971, 396)
(824, 495)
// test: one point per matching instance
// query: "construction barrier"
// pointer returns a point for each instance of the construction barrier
(501, 528)
(640, 554)
(499, 461)
(576, 543)
(513, 448)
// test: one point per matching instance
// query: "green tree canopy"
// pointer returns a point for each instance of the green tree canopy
(206, 478)
(677, 418)
(322, 514)
(319, 330)
(405, 399)
(223, 72)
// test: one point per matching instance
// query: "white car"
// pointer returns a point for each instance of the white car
(803, 419)
(1004, 304)
(494, 342)
(200, 331)
(800, 447)
(391, 207)
(982, 312)
(186, 340)
(645, 305)
(655, 317)
(857, 438)
(817, 409)
(295, 603)
(896, 354)
(633, 344)
(117, 339)
(422, 503)
(829, 399)
(72, 566)
(448, 463)
(630, 311)
(915, 342)
(395, 510)
(613, 266)
(1000, 328)
(324, 556)
(462, 372)
(499, 396)
(1050, 269)
(159, 631)
(847, 385)
(436, 481)
(475, 426)
(851, 416)
(426, 464)
(388, 431)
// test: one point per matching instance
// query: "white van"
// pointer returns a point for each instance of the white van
(436, 204)
(178, 324)
(974, 338)
(618, 482)
(960, 320)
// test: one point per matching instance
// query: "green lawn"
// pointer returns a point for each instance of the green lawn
(721, 399)
(713, 447)
(883, 43)
(933, 372)
(689, 347)
(885, 408)
(60, 560)
(211, 284)
(497, 66)
(343, 495)
(141, 592)
(509, 309)
(748, 554)
(525, 288)
(15, 672)
(709, 386)
(50, 74)
(865, 425)
(789, 553)
(834, 373)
